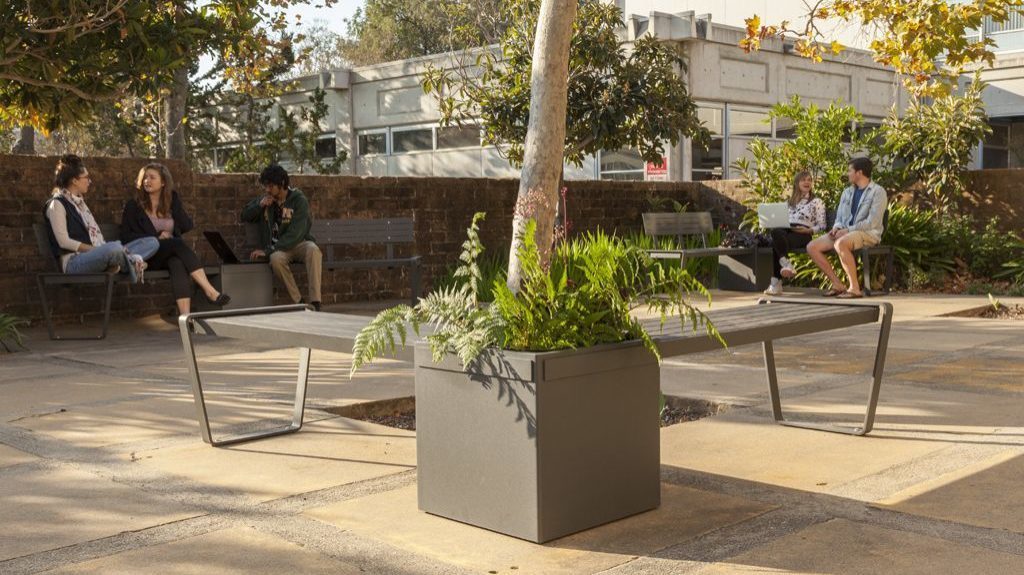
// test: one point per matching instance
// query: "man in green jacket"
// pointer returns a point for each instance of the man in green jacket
(284, 222)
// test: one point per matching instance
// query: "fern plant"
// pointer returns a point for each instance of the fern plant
(584, 297)
(9, 325)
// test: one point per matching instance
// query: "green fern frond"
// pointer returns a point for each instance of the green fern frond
(379, 335)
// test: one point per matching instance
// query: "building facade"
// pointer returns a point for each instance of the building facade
(382, 118)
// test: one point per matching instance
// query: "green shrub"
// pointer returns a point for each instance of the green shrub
(935, 141)
(9, 332)
(704, 269)
(819, 146)
(584, 297)
(493, 268)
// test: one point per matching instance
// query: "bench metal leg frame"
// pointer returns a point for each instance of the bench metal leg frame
(885, 313)
(187, 326)
(107, 281)
(866, 262)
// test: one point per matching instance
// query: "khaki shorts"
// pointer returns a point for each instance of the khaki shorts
(858, 240)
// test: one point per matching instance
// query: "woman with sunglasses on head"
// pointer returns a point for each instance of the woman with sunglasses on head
(75, 237)
(156, 212)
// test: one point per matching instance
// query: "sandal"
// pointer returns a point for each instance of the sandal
(850, 295)
(834, 292)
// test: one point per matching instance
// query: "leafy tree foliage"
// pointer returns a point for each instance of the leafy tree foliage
(936, 141)
(293, 137)
(320, 49)
(823, 141)
(387, 30)
(64, 59)
(617, 98)
(912, 35)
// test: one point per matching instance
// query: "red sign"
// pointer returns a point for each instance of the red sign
(656, 172)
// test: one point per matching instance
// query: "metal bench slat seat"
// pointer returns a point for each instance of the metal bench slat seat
(772, 319)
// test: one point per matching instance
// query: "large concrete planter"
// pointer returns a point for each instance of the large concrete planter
(539, 445)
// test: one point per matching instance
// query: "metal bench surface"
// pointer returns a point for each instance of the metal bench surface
(772, 319)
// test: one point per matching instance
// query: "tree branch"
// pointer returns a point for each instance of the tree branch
(59, 86)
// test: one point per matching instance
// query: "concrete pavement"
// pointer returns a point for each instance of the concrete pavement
(102, 469)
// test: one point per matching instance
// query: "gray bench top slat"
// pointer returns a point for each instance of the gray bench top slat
(746, 325)
(315, 330)
(738, 326)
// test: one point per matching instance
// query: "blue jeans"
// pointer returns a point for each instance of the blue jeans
(110, 254)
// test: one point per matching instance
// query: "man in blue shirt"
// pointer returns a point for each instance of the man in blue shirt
(858, 225)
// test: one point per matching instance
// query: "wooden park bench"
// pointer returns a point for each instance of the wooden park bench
(770, 320)
(334, 235)
(55, 276)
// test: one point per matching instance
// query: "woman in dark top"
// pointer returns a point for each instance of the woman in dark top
(157, 212)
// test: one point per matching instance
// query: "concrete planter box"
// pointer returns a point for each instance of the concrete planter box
(539, 445)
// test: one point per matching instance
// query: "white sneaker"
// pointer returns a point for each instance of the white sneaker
(787, 268)
(774, 288)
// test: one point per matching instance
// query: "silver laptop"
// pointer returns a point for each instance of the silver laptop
(772, 216)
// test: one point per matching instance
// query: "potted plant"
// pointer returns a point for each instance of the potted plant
(537, 415)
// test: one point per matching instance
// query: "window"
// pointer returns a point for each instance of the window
(327, 148)
(373, 143)
(743, 123)
(467, 136)
(785, 128)
(995, 152)
(623, 164)
(707, 164)
(711, 118)
(411, 140)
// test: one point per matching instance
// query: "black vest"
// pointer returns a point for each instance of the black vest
(76, 226)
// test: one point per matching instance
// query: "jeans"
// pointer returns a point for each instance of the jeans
(110, 254)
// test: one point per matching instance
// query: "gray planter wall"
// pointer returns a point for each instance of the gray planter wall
(539, 445)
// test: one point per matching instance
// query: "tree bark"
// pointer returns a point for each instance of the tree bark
(174, 115)
(545, 133)
(26, 143)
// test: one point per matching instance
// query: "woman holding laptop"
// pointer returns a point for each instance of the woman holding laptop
(806, 217)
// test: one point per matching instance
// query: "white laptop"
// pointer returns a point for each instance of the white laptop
(772, 216)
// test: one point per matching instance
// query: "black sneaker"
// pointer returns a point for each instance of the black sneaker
(316, 305)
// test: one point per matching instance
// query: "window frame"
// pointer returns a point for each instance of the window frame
(412, 128)
(372, 132)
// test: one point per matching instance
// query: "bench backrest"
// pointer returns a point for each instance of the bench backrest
(386, 231)
(382, 231)
(42, 234)
(678, 224)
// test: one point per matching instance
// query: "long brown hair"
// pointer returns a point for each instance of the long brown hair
(163, 205)
(795, 197)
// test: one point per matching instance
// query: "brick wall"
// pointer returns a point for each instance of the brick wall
(441, 207)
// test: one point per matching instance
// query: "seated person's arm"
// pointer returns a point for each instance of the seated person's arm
(58, 219)
(820, 219)
(297, 229)
(253, 211)
(129, 228)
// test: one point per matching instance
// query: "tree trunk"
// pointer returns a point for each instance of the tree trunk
(174, 114)
(26, 143)
(545, 134)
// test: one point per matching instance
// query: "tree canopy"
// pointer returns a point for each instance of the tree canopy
(618, 96)
(929, 42)
(62, 59)
(387, 30)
